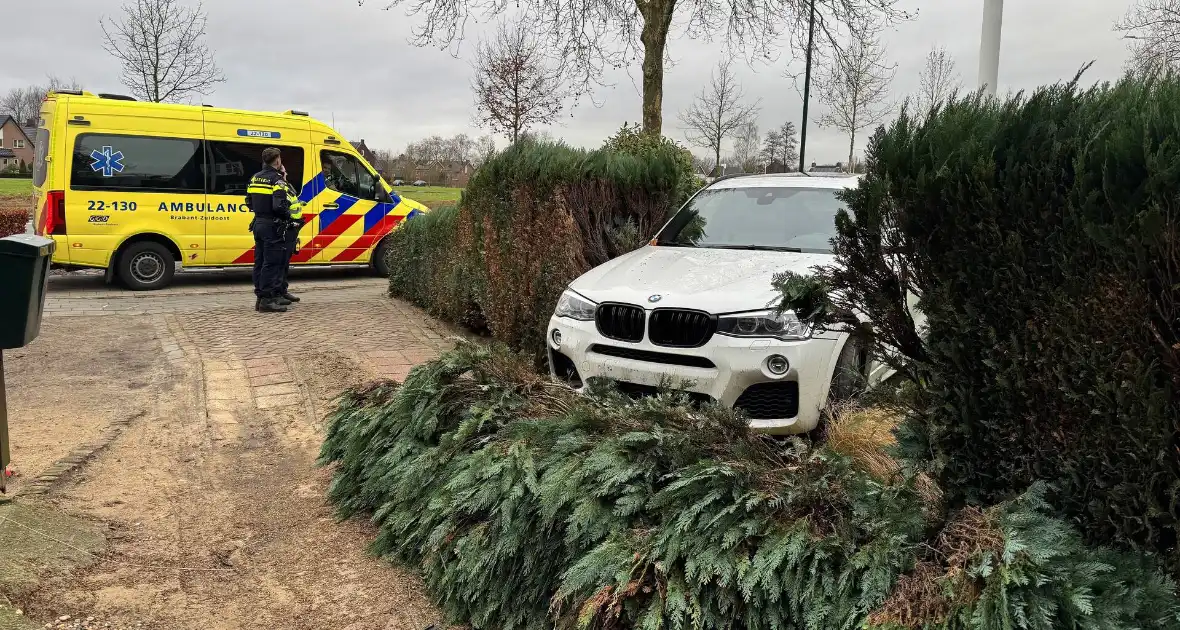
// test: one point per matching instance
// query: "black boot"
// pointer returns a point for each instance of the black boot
(282, 301)
(290, 298)
(270, 305)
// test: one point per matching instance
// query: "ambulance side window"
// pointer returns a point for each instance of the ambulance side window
(231, 164)
(137, 164)
(345, 174)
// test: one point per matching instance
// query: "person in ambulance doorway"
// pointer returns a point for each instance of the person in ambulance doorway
(267, 197)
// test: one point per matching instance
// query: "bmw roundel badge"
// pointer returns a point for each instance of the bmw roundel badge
(654, 298)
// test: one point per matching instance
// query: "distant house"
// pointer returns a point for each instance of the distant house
(16, 144)
(455, 173)
(365, 152)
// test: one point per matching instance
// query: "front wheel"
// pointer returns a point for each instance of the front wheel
(381, 258)
(850, 377)
(146, 266)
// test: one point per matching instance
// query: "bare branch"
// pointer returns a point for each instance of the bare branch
(593, 36)
(516, 86)
(747, 148)
(938, 80)
(780, 152)
(718, 112)
(24, 104)
(855, 88)
(161, 46)
(1152, 31)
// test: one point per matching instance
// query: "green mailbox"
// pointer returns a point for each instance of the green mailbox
(24, 276)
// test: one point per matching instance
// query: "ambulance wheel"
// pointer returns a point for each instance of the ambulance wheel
(146, 266)
(381, 258)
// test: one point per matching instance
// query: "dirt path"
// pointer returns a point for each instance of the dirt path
(215, 511)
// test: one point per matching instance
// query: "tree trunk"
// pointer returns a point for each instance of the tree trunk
(657, 18)
(851, 144)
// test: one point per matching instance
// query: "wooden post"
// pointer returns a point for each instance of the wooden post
(5, 455)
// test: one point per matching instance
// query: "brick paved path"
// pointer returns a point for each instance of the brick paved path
(213, 314)
(210, 488)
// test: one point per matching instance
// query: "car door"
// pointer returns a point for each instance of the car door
(351, 208)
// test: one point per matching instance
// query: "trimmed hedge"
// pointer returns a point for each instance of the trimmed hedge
(532, 219)
(12, 221)
(1042, 236)
(527, 506)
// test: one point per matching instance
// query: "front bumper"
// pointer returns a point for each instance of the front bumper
(730, 370)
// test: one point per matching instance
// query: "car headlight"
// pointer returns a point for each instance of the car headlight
(574, 306)
(775, 324)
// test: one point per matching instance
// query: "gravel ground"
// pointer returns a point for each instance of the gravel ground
(66, 622)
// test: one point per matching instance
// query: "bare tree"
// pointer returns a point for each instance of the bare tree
(592, 36)
(1152, 30)
(780, 152)
(485, 148)
(161, 45)
(938, 79)
(747, 148)
(24, 104)
(516, 86)
(703, 165)
(855, 88)
(718, 112)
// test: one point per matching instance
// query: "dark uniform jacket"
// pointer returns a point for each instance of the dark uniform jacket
(267, 195)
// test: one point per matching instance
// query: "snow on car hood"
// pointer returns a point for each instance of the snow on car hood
(712, 280)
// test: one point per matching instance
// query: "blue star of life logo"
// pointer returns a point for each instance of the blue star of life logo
(107, 161)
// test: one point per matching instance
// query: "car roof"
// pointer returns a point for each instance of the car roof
(834, 181)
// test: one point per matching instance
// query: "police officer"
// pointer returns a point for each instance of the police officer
(266, 196)
(296, 209)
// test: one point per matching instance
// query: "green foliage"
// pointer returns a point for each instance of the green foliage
(1031, 572)
(1040, 233)
(536, 216)
(425, 268)
(633, 141)
(525, 505)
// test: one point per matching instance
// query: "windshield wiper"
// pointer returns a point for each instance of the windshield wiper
(673, 244)
(757, 248)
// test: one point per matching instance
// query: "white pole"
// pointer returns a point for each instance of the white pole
(989, 45)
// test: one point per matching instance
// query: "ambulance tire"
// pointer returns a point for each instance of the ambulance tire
(145, 266)
(381, 258)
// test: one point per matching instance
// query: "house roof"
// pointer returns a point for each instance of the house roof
(24, 131)
(7, 153)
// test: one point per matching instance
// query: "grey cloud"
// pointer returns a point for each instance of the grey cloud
(355, 64)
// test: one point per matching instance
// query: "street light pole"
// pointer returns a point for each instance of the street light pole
(806, 90)
(989, 45)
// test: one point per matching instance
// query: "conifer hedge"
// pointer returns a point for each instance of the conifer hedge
(1042, 234)
(533, 218)
(527, 506)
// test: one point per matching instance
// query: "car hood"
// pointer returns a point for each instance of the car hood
(712, 280)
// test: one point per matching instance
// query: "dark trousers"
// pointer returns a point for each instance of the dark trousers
(270, 258)
(292, 237)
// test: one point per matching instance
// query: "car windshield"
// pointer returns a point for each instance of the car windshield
(788, 219)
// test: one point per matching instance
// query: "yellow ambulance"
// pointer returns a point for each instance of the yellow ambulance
(138, 189)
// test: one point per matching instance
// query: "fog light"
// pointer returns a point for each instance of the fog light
(556, 337)
(778, 364)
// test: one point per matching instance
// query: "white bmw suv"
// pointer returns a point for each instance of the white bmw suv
(695, 310)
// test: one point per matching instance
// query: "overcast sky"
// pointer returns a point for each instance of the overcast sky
(353, 64)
